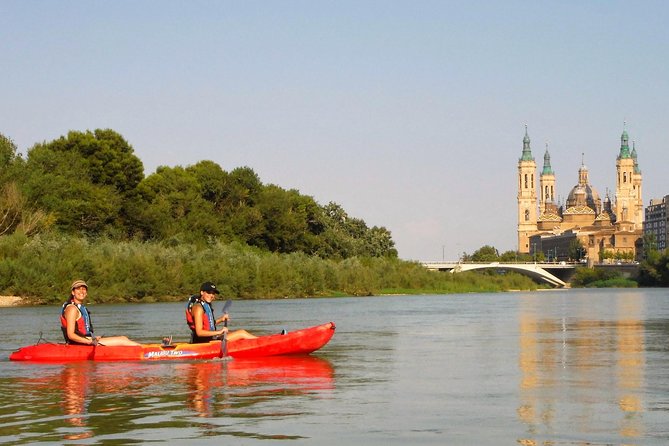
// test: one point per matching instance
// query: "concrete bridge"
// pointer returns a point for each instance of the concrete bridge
(556, 274)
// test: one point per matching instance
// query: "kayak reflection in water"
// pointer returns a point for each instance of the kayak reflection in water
(217, 386)
(76, 389)
(75, 321)
(201, 321)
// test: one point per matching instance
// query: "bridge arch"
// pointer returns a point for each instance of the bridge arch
(534, 270)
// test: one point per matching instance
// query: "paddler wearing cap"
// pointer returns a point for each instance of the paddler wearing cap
(201, 320)
(75, 321)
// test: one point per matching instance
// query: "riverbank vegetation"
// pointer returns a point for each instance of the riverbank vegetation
(600, 278)
(42, 267)
(654, 270)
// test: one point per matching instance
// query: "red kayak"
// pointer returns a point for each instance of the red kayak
(298, 342)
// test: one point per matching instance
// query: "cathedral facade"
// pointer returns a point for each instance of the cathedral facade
(613, 225)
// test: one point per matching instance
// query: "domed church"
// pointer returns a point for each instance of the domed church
(609, 225)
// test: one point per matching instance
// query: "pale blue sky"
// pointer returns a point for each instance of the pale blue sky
(410, 114)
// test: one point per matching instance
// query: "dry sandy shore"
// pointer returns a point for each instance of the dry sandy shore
(9, 301)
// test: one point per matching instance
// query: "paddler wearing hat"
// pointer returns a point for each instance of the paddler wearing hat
(75, 321)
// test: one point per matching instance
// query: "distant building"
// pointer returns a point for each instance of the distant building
(657, 221)
(614, 224)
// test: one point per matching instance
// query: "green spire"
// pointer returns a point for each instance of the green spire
(636, 163)
(548, 170)
(624, 144)
(527, 153)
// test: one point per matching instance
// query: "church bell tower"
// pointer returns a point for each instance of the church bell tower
(546, 183)
(629, 204)
(527, 196)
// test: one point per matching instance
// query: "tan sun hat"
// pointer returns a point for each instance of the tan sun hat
(77, 284)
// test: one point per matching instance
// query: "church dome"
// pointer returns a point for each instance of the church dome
(584, 195)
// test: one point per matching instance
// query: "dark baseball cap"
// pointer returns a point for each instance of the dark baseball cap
(209, 288)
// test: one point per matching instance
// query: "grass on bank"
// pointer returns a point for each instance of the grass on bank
(41, 269)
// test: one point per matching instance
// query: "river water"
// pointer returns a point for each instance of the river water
(568, 367)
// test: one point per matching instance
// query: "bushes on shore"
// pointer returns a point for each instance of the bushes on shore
(600, 278)
(42, 267)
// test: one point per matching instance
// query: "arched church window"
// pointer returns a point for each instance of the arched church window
(624, 177)
(527, 215)
(525, 181)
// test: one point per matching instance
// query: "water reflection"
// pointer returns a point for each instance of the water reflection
(76, 387)
(567, 362)
(630, 370)
(246, 378)
(123, 401)
(201, 379)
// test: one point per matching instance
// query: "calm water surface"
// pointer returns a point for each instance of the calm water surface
(569, 367)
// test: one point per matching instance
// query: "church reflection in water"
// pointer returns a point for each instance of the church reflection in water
(582, 375)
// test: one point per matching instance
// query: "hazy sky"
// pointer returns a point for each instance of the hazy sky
(409, 114)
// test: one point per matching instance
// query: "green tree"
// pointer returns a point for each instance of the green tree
(515, 256)
(576, 250)
(485, 253)
(7, 151)
(654, 271)
(649, 245)
(108, 159)
(344, 236)
(85, 179)
(17, 216)
(240, 193)
(509, 256)
(379, 243)
(604, 254)
(170, 204)
(57, 182)
(92, 183)
(11, 162)
(291, 221)
(213, 182)
(336, 242)
(244, 186)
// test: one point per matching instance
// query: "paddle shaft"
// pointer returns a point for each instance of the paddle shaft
(224, 342)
